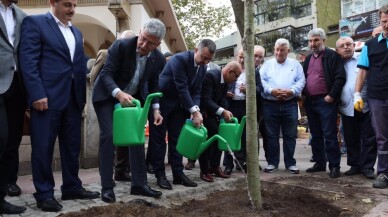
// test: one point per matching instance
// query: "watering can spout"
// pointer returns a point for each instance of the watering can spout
(143, 116)
(242, 124)
(208, 142)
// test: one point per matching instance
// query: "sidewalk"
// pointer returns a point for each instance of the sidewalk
(91, 181)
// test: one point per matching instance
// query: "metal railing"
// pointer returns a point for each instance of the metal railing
(35, 3)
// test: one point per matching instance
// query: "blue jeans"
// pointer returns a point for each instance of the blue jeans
(282, 115)
(322, 118)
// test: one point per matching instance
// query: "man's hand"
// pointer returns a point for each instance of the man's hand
(124, 99)
(230, 94)
(197, 119)
(243, 88)
(158, 118)
(329, 99)
(227, 115)
(358, 102)
(41, 104)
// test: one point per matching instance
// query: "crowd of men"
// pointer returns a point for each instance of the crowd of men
(43, 66)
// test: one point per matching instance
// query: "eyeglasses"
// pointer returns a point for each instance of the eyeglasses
(148, 43)
(235, 74)
(346, 45)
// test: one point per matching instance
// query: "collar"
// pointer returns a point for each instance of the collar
(381, 37)
(222, 78)
(60, 22)
(10, 6)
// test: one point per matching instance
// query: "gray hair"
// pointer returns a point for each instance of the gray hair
(127, 34)
(282, 42)
(317, 32)
(155, 27)
(211, 46)
(343, 38)
(259, 47)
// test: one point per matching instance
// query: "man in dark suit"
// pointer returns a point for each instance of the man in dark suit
(53, 65)
(213, 97)
(131, 63)
(122, 166)
(12, 104)
(181, 84)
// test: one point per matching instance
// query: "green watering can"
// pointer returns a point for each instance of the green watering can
(129, 122)
(192, 141)
(231, 132)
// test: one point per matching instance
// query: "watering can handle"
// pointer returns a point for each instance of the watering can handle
(189, 121)
(232, 120)
(134, 101)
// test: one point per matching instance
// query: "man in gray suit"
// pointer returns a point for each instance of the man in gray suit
(12, 104)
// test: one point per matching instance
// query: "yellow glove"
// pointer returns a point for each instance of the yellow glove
(358, 102)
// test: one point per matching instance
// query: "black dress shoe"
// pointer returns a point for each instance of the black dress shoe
(14, 190)
(145, 191)
(183, 180)
(353, 171)
(49, 205)
(335, 172)
(81, 194)
(163, 182)
(7, 208)
(369, 173)
(150, 169)
(108, 195)
(228, 170)
(316, 168)
(122, 177)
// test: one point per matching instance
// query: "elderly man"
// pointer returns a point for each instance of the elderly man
(358, 133)
(325, 77)
(373, 64)
(283, 81)
(130, 66)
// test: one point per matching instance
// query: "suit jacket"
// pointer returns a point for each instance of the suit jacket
(180, 82)
(213, 92)
(46, 64)
(120, 67)
(100, 61)
(9, 58)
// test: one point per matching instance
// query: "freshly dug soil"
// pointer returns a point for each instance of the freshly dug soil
(319, 197)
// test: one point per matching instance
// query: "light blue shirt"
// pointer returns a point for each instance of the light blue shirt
(363, 60)
(347, 102)
(286, 75)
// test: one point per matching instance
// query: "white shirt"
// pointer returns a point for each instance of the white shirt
(9, 20)
(346, 107)
(286, 75)
(67, 34)
(241, 81)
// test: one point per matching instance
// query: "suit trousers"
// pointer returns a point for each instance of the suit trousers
(174, 117)
(104, 112)
(45, 127)
(12, 107)
(122, 160)
(238, 108)
(211, 157)
(360, 140)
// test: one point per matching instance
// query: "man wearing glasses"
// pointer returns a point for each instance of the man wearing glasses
(130, 64)
(373, 64)
(358, 133)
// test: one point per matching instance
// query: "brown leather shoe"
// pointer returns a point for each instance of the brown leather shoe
(218, 172)
(190, 165)
(206, 177)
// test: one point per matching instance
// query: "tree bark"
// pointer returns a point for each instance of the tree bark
(238, 9)
(254, 185)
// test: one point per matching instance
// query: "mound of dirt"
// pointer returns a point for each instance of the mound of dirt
(279, 200)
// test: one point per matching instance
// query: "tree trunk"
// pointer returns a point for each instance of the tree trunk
(238, 9)
(251, 113)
